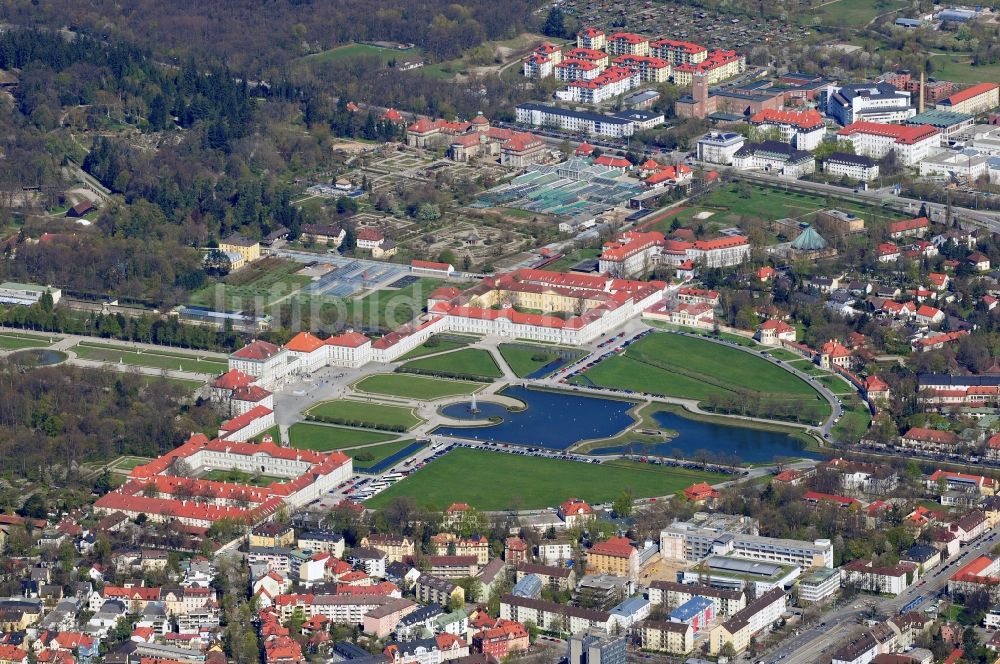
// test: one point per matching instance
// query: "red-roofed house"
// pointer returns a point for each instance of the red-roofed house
(891, 580)
(887, 252)
(876, 390)
(980, 574)
(432, 268)
(506, 637)
(575, 512)
(928, 315)
(917, 227)
(614, 556)
(816, 498)
(454, 514)
(701, 493)
(773, 332)
(833, 354)
(928, 440)
(392, 115)
(619, 164)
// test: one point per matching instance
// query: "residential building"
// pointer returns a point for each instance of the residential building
(504, 638)
(595, 646)
(675, 638)
(980, 574)
(928, 440)
(592, 38)
(887, 579)
(585, 122)
(678, 52)
(627, 43)
(715, 68)
(432, 590)
(551, 616)
(555, 578)
(272, 533)
(753, 619)
(610, 83)
(614, 556)
(248, 249)
(672, 594)
(772, 332)
(396, 547)
(322, 540)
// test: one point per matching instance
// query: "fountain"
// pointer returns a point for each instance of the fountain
(473, 407)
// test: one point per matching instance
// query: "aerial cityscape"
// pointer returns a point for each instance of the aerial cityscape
(536, 331)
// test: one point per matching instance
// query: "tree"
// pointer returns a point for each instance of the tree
(728, 650)
(555, 23)
(622, 505)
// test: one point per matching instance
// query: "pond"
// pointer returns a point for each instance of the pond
(554, 420)
(557, 420)
(37, 357)
(750, 445)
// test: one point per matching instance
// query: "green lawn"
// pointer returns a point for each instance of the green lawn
(785, 355)
(323, 438)
(853, 422)
(466, 475)
(10, 341)
(525, 360)
(836, 385)
(435, 344)
(390, 309)
(363, 412)
(623, 372)
(366, 457)
(409, 386)
(467, 362)
(130, 462)
(959, 69)
(572, 258)
(704, 361)
(265, 281)
(148, 358)
(728, 206)
(240, 477)
(358, 50)
(850, 13)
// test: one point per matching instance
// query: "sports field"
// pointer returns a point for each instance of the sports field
(363, 412)
(361, 50)
(466, 362)
(682, 366)
(20, 341)
(323, 438)
(471, 476)
(159, 359)
(410, 386)
(850, 13)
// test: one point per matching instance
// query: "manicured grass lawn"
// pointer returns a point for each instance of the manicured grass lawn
(149, 358)
(389, 309)
(435, 345)
(764, 203)
(189, 385)
(266, 280)
(366, 457)
(18, 342)
(853, 422)
(466, 475)
(623, 372)
(525, 360)
(240, 477)
(409, 386)
(469, 362)
(851, 13)
(323, 438)
(706, 362)
(959, 69)
(572, 258)
(785, 355)
(274, 432)
(375, 414)
(128, 463)
(836, 385)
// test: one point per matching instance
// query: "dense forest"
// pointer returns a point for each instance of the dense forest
(260, 37)
(53, 418)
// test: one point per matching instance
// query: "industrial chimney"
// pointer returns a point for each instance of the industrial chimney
(923, 82)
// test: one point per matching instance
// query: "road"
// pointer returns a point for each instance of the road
(838, 626)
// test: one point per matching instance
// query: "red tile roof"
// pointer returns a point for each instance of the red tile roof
(233, 379)
(908, 225)
(257, 350)
(348, 340)
(304, 342)
(969, 93)
(617, 547)
(809, 119)
(246, 418)
(904, 134)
